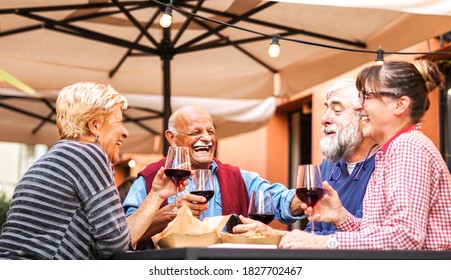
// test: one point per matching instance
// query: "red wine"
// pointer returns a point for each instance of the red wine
(177, 175)
(309, 196)
(207, 194)
(264, 218)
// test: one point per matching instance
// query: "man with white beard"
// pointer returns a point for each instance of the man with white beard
(348, 157)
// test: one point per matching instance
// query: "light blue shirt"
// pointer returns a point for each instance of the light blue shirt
(282, 196)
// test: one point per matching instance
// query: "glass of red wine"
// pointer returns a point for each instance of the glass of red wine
(261, 207)
(309, 188)
(177, 168)
(202, 185)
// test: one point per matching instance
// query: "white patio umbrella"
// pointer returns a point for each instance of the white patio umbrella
(53, 43)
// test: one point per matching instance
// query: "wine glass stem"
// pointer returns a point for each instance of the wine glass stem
(176, 196)
(312, 225)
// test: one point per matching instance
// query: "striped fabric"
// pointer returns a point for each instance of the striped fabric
(66, 206)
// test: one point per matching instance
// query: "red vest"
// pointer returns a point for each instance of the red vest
(234, 194)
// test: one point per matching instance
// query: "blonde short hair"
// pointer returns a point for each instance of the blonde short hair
(82, 102)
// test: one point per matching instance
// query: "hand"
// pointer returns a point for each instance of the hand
(295, 207)
(327, 209)
(159, 222)
(196, 203)
(251, 227)
(298, 239)
(163, 187)
(164, 216)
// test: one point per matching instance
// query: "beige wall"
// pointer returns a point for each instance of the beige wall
(247, 151)
(264, 150)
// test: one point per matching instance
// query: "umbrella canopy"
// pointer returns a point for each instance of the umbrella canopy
(32, 119)
(214, 49)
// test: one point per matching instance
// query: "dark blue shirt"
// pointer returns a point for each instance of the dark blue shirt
(351, 188)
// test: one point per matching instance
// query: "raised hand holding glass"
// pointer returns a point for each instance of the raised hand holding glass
(202, 185)
(309, 188)
(177, 168)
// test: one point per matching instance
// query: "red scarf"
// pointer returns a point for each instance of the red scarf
(234, 194)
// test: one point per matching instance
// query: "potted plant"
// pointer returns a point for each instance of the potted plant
(4, 206)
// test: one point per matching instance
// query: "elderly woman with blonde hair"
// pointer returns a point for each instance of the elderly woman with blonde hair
(66, 206)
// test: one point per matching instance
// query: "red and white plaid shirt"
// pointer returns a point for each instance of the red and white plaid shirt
(407, 205)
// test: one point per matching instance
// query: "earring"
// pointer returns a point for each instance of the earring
(97, 139)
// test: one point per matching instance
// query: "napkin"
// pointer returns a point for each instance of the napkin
(188, 231)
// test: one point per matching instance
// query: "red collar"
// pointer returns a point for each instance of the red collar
(405, 129)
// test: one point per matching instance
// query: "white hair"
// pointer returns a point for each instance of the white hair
(340, 85)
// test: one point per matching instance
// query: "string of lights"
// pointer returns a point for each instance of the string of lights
(274, 46)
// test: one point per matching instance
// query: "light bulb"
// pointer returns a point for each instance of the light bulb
(274, 47)
(166, 18)
(131, 163)
(379, 57)
(274, 50)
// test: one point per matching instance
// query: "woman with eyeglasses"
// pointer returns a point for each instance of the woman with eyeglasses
(408, 199)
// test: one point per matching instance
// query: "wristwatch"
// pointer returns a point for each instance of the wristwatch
(332, 243)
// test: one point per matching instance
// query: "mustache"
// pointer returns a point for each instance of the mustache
(333, 128)
(201, 144)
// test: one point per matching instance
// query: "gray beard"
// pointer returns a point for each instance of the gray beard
(344, 143)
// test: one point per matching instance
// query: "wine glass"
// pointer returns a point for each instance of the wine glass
(202, 185)
(309, 188)
(261, 207)
(177, 168)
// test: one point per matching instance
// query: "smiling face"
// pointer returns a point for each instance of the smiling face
(394, 95)
(194, 129)
(112, 133)
(378, 116)
(341, 124)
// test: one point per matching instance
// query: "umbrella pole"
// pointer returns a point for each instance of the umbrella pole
(166, 56)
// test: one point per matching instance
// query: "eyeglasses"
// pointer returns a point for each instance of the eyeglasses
(364, 93)
(336, 172)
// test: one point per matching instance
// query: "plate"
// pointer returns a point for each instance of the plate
(232, 238)
(176, 240)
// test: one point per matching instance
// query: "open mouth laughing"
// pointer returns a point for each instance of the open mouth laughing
(365, 119)
(202, 147)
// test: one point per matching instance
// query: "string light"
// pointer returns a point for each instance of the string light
(166, 18)
(274, 47)
(379, 56)
(131, 163)
(275, 38)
